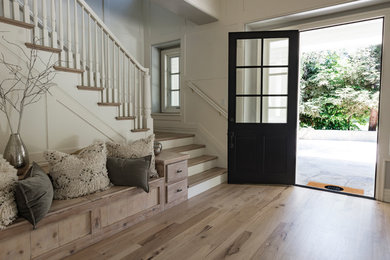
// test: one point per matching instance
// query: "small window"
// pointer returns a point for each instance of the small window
(170, 80)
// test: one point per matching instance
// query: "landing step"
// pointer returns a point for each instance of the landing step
(42, 47)
(186, 148)
(204, 176)
(16, 23)
(125, 117)
(201, 159)
(109, 104)
(165, 136)
(140, 130)
(90, 88)
(65, 69)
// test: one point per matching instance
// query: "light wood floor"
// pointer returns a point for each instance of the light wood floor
(257, 222)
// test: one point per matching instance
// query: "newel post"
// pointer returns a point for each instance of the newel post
(147, 100)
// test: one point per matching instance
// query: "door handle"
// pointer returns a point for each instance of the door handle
(232, 140)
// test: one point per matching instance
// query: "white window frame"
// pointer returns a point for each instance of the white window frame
(165, 56)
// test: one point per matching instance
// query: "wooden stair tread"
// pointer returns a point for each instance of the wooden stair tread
(165, 136)
(42, 48)
(90, 88)
(16, 23)
(125, 117)
(65, 69)
(204, 176)
(108, 104)
(201, 159)
(140, 130)
(186, 148)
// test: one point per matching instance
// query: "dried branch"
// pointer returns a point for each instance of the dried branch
(27, 83)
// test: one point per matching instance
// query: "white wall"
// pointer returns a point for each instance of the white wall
(205, 61)
(125, 19)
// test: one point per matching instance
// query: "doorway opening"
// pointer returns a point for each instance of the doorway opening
(340, 75)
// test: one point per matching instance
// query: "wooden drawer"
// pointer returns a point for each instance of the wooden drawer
(177, 171)
(177, 191)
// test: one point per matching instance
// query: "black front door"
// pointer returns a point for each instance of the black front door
(263, 80)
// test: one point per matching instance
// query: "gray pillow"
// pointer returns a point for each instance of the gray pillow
(129, 172)
(34, 195)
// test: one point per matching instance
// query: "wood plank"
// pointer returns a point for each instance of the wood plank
(167, 157)
(165, 136)
(125, 117)
(16, 23)
(186, 148)
(42, 48)
(140, 130)
(201, 159)
(105, 104)
(89, 88)
(204, 176)
(65, 69)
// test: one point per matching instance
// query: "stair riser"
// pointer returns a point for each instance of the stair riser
(195, 153)
(177, 142)
(206, 185)
(201, 167)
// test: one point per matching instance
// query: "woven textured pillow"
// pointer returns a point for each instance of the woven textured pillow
(78, 175)
(137, 149)
(8, 178)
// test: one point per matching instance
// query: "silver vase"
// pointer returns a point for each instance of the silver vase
(16, 154)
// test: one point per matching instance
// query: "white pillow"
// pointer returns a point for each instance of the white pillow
(137, 149)
(8, 208)
(78, 175)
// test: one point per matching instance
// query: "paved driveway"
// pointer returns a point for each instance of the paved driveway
(344, 163)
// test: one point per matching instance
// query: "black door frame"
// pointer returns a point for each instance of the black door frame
(292, 116)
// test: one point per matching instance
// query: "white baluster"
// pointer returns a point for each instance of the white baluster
(6, 7)
(90, 82)
(54, 38)
(129, 91)
(140, 100)
(69, 37)
(114, 83)
(97, 74)
(37, 37)
(109, 91)
(16, 10)
(120, 93)
(124, 104)
(147, 100)
(76, 37)
(45, 32)
(61, 59)
(102, 66)
(83, 47)
(26, 11)
(136, 121)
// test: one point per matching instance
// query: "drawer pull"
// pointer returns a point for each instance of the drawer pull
(179, 190)
(179, 171)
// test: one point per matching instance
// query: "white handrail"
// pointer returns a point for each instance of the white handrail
(209, 100)
(112, 36)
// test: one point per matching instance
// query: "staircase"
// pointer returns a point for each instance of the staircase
(202, 168)
(85, 46)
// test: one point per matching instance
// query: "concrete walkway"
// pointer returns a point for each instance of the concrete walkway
(344, 163)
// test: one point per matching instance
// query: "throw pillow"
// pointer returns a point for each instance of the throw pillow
(34, 195)
(137, 149)
(8, 178)
(78, 175)
(129, 172)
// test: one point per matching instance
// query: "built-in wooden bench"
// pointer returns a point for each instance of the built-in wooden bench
(77, 223)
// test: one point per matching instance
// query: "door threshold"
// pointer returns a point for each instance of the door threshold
(334, 191)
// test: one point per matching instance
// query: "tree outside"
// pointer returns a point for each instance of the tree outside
(339, 90)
